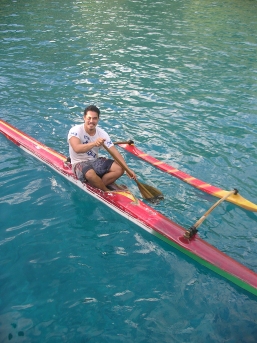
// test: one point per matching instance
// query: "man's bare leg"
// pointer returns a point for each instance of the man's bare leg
(114, 173)
(95, 181)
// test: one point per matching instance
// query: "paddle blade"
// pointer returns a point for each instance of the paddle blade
(154, 191)
(149, 192)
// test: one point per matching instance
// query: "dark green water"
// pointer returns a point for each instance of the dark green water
(180, 79)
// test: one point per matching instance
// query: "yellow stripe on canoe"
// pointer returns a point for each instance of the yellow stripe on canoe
(237, 199)
(37, 144)
(127, 194)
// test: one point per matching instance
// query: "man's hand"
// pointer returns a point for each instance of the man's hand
(131, 174)
(99, 142)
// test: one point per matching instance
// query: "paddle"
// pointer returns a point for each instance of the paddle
(193, 229)
(148, 192)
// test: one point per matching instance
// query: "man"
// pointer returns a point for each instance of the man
(85, 140)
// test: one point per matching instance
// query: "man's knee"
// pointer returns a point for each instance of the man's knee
(122, 171)
(90, 174)
(118, 169)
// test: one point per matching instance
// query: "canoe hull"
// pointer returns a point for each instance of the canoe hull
(124, 203)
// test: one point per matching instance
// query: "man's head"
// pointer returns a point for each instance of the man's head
(92, 108)
(91, 118)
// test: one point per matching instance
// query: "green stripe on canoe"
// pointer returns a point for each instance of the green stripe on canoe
(210, 266)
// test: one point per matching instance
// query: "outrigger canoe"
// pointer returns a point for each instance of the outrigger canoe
(126, 204)
(236, 199)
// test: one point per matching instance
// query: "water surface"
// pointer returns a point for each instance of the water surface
(177, 77)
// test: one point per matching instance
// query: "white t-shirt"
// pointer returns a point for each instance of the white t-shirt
(79, 132)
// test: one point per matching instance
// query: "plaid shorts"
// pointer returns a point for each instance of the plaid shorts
(101, 166)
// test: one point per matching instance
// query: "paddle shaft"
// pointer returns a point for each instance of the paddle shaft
(118, 160)
(144, 189)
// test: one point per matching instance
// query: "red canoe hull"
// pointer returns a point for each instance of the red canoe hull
(140, 213)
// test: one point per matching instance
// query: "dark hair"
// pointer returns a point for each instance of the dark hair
(92, 108)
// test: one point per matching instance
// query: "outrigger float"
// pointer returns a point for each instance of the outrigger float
(126, 204)
(236, 199)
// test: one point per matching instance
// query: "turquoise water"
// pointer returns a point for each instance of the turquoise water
(177, 77)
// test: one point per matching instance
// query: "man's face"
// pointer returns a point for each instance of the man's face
(91, 120)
